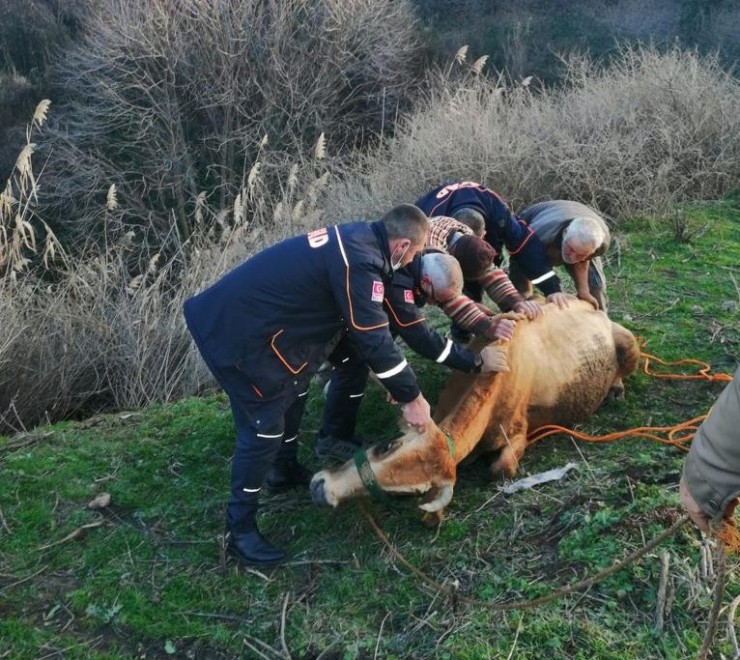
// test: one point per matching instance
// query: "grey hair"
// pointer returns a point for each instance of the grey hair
(443, 270)
(585, 231)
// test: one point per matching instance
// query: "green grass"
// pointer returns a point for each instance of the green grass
(151, 580)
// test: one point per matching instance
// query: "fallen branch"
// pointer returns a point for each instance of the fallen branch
(73, 535)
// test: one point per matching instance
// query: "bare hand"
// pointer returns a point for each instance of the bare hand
(589, 299)
(529, 308)
(416, 414)
(494, 358)
(501, 328)
(696, 513)
(559, 298)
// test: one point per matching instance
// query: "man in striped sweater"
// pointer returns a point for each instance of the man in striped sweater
(478, 263)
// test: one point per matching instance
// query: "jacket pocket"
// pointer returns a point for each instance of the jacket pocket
(291, 359)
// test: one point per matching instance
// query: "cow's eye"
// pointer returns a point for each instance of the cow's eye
(386, 448)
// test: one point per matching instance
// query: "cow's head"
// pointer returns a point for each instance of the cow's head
(414, 464)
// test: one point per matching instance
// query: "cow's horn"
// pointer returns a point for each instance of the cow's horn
(439, 502)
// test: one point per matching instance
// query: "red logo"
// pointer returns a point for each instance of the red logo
(378, 292)
(408, 296)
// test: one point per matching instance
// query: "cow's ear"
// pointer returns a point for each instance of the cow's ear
(386, 448)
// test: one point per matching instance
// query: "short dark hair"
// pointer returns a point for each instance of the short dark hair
(406, 221)
(472, 218)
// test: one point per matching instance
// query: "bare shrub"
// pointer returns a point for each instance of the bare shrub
(105, 329)
(169, 98)
(638, 136)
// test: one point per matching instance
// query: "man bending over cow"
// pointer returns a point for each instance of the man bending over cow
(474, 204)
(435, 278)
(575, 236)
(263, 344)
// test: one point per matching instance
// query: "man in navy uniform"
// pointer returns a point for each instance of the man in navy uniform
(435, 278)
(470, 203)
(266, 326)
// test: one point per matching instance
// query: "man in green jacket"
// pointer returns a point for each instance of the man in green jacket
(710, 483)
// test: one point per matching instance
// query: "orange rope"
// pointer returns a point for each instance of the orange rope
(670, 433)
(703, 373)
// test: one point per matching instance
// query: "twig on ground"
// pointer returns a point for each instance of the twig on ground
(731, 626)
(380, 634)
(301, 562)
(254, 649)
(327, 650)
(61, 652)
(73, 535)
(4, 523)
(660, 608)
(283, 615)
(516, 637)
(25, 579)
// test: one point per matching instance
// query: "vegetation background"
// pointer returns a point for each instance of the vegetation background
(148, 147)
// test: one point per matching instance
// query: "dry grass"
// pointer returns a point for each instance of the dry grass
(170, 98)
(105, 329)
(650, 130)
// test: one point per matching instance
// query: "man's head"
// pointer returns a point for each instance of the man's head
(406, 226)
(474, 255)
(441, 277)
(581, 239)
(472, 218)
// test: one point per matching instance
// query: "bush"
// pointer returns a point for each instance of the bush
(638, 136)
(169, 98)
(104, 328)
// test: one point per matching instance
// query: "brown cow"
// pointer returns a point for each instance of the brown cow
(563, 365)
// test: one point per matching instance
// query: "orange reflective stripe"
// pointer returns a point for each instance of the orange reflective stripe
(349, 293)
(397, 320)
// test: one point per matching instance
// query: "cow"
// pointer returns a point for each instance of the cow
(562, 367)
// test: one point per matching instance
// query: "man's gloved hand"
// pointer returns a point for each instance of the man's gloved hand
(495, 358)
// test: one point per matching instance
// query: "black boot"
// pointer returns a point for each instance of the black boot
(253, 549)
(328, 446)
(289, 474)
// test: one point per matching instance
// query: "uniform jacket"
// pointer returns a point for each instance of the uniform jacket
(712, 468)
(276, 317)
(402, 302)
(503, 228)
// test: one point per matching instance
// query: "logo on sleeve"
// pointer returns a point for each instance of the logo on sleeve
(378, 292)
(408, 296)
(318, 237)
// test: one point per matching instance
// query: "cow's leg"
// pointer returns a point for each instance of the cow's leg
(513, 441)
(508, 460)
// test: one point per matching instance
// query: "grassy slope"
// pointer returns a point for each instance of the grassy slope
(152, 582)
